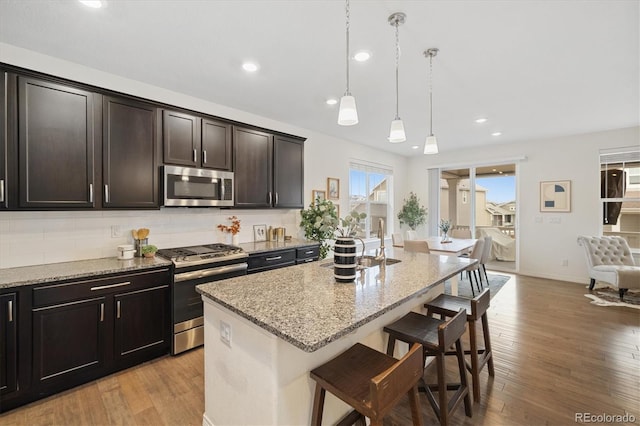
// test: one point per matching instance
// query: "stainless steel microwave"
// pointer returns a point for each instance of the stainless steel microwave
(191, 187)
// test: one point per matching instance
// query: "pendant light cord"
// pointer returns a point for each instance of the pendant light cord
(430, 94)
(347, 13)
(397, 64)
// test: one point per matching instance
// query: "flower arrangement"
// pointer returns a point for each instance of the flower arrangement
(234, 228)
(319, 222)
(445, 225)
(412, 213)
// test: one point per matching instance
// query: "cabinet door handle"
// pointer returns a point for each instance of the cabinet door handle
(103, 287)
(308, 252)
(1, 190)
(10, 306)
(118, 309)
(276, 198)
(270, 197)
(106, 193)
(91, 193)
(195, 155)
(204, 156)
(268, 259)
(102, 312)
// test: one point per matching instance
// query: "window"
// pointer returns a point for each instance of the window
(370, 190)
(620, 194)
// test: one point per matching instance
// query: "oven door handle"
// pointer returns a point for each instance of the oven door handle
(204, 273)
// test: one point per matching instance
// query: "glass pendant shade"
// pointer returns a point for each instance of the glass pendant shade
(396, 134)
(348, 114)
(431, 145)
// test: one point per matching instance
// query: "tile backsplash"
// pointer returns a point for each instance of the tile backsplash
(33, 238)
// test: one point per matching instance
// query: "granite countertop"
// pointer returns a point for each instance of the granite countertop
(266, 246)
(305, 306)
(28, 275)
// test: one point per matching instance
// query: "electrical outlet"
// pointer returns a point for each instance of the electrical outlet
(565, 262)
(225, 333)
(116, 231)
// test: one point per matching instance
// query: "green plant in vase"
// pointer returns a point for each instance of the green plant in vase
(412, 213)
(319, 223)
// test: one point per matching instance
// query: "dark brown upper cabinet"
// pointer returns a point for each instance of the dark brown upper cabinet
(269, 171)
(193, 141)
(129, 154)
(3, 139)
(288, 172)
(56, 143)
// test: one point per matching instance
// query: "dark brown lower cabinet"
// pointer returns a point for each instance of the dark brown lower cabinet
(69, 341)
(141, 324)
(74, 331)
(9, 347)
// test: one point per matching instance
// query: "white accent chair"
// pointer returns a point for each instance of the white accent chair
(397, 240)
(486, 255)
(609, 260)
(476, 253)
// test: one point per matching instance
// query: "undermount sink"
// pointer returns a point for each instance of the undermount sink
(369, 261)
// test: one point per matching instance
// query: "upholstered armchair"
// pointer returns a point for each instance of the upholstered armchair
(609, 260)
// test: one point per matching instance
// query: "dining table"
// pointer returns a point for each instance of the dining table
(451, 247)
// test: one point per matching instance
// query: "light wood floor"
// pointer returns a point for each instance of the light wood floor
(555, 355)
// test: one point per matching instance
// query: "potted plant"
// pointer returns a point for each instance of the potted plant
(319, 223)
(412, 213)
(444, 226)
(149, 250)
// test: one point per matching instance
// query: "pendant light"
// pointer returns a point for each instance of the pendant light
(348, 114)
(431, 144)
(396, 133)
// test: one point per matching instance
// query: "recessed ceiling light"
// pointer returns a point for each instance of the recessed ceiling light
(96, 4)
(496, 133)
(250, 67)
(415, 147)
(362, 56)
(331, 101)
(481, 120)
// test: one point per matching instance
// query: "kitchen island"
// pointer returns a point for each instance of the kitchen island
(265, 332)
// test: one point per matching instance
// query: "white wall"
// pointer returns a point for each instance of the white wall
(29, 238)
(543, 244)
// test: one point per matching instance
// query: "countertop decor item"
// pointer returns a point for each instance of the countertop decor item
(319, 222)
(232, 229)
(149, 250)
(412, 213)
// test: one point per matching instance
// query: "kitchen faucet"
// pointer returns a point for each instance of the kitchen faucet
(380, 255)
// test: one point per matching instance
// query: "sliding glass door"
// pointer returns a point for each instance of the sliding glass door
(481, 201)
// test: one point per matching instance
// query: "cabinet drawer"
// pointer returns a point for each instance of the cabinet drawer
(272, 259)
(75, 290)
(307, 260)
(308, 252)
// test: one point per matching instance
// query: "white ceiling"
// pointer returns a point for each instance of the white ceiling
(536, 69)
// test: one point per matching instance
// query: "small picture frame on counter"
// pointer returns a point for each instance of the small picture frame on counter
(259, 233)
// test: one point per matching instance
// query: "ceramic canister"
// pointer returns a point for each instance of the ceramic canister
(344, 260)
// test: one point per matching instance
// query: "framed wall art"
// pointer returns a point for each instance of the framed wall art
(318, 194)
(333, 188)
(555, 196)
(259, 233)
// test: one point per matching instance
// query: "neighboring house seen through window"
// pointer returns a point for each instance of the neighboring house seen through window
(370, 189)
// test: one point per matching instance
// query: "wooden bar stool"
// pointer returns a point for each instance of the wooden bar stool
(476, 308)
(370, 381)
(436, 336)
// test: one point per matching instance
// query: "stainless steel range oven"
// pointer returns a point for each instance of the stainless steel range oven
(192, 266)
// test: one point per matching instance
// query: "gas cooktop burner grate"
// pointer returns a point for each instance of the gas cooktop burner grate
(193, 255)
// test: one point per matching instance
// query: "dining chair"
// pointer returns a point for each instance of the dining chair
(476, 253)
(397, 240)
(486, 254)
(416, 246)
(461, 233)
